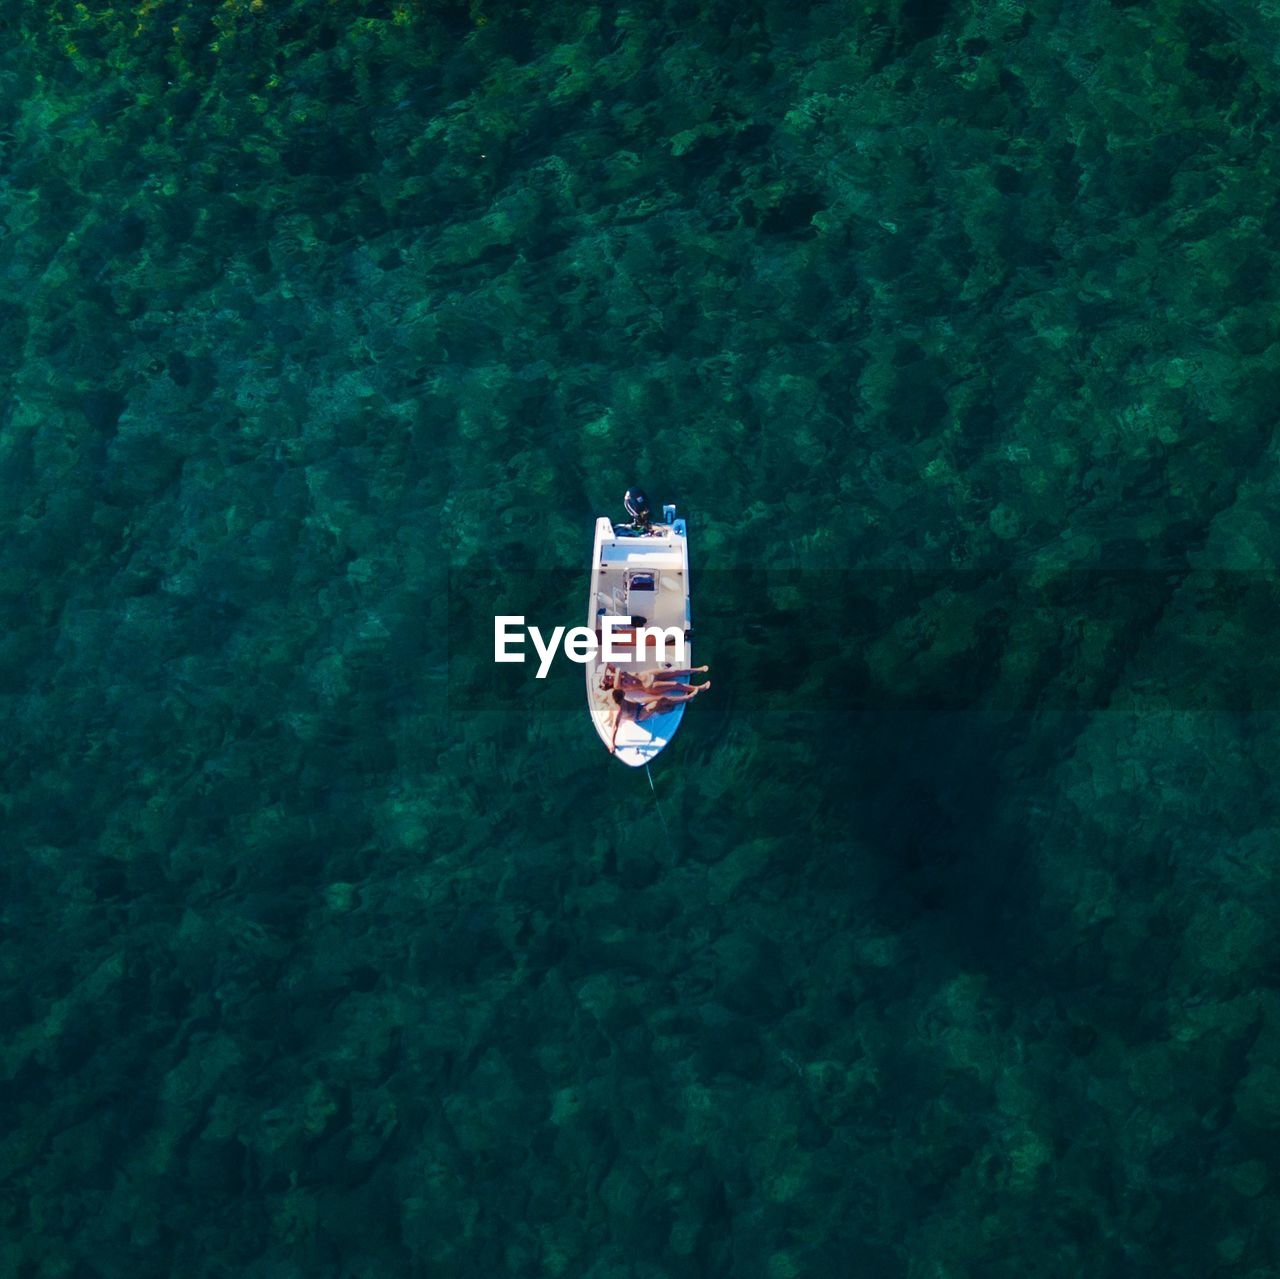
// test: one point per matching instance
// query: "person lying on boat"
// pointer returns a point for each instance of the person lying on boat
(627, 708)
(659, 680)
(641, 704)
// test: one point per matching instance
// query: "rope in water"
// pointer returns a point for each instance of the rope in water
(658, 805)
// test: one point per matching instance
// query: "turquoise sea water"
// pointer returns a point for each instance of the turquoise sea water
(329, 949)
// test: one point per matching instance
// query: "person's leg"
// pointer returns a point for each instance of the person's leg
(685, 692)
(652, 678)
(669, 701)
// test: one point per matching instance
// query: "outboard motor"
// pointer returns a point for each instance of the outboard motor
(637, 507)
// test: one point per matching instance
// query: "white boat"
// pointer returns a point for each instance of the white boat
(641, 571)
